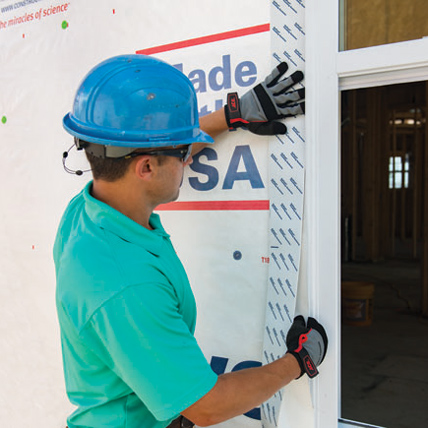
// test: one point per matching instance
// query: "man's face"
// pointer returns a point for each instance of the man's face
(170, 176)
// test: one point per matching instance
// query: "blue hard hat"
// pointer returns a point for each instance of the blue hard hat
(135, 101)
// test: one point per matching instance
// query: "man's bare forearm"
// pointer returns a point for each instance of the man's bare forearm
(213, 124)
(238, 392)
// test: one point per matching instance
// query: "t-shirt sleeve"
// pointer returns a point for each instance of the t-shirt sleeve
(141, 335)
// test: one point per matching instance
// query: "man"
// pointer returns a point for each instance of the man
(126, 310)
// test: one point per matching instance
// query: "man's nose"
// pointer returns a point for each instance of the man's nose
(189, 161)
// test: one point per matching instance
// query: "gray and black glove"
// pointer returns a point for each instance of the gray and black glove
(308, 344)
(259, 109)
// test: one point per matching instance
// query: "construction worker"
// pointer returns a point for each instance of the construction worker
(126, 310)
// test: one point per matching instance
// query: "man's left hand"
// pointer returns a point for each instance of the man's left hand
(259, 109)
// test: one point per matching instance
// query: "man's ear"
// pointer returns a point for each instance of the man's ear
(144, 167)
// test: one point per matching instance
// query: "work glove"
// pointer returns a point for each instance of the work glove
(259, 109)
(308, 344)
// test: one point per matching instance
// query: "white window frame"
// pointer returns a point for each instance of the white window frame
(329, 71)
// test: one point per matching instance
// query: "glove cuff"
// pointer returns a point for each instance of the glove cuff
(305, 362)
(233, 112)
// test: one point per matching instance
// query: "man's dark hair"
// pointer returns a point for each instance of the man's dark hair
(112, 169)
(108, 169)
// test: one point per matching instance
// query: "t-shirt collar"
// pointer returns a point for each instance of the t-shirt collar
(114, 221)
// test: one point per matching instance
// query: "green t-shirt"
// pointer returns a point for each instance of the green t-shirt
(127, 316)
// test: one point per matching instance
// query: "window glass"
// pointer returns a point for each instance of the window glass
(399, 172)
(367, 23)
(384, 269)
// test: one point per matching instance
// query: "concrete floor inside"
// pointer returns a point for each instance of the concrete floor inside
(385, 364)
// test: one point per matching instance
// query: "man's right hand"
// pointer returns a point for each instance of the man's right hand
(308, 344)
